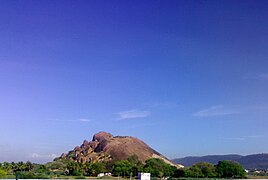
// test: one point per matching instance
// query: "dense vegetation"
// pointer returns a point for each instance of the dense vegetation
(124, 168)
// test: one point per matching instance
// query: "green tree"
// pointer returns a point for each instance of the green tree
(122, 168)
(169, 170)
(41, 168)
(20, 166)
(158, 168)
(137, 165)
(28, 166)
(87, 169)
(3, 173)
(179, 173)
(14, 166)
(230, 169)
(56, 166)
(134, 160)
(108, 166)
(74, 168)
(7, 167)
(194, 172)
(154, 166)
(26, 175)
(97, 168)
(203, 169)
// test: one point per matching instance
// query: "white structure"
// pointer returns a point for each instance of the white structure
(144, 176)
(104, 174)
(101, 175)
(108, 174)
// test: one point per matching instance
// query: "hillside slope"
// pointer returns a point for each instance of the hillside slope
(105, 147)
(254, 161)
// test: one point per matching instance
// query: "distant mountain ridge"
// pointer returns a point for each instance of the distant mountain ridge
(254, 161)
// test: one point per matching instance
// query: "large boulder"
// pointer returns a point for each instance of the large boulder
(106, 147)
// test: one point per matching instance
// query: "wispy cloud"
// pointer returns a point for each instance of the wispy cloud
(218, 110)
(42, 156)
(258, 76)
(263, 76)
(84, 120)
(234, 139)
(253, 136)
(70, 120)
(133, 114)
(243, 138)
(161, 105)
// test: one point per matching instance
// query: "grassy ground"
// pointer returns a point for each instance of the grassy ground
(114, 178)
(257, 177)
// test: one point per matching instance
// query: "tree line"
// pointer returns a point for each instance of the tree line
(224, 169)
(122, 168)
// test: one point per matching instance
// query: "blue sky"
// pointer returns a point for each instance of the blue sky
(186, 77)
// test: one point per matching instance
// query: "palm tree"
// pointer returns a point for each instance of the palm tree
(29, 166)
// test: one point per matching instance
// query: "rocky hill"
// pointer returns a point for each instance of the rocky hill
(105, 147)
(254, 161)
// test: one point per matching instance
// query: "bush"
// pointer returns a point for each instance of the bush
(122, 168)
(230, 169)
(201, 170)
(3, 173)
(26, 175)
(179, 173)
(158, 168)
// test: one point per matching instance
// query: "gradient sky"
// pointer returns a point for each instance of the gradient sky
(187, 77)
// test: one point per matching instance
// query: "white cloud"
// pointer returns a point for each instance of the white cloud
(162, 105)
(218, 110)
(74, 120)
(243, 138)
(53, 156)
(53, 119)
(133, 114)
(42, 156)
(234, 139)
(84, 120)
(35, 155)
(253, 136)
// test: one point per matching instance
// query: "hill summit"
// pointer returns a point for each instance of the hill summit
(105, 147)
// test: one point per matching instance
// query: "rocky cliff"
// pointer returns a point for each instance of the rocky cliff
(105, 147)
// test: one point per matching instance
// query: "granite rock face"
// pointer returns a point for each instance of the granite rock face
(105, 147)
